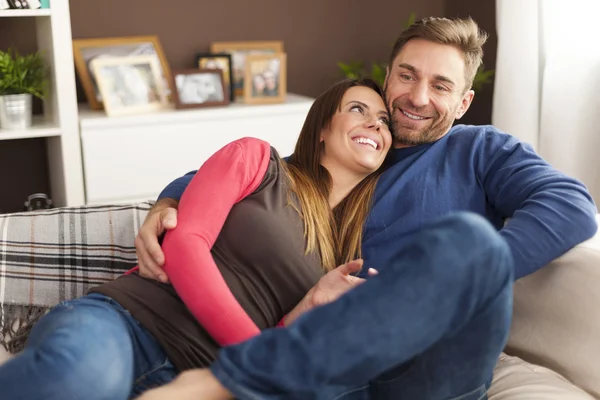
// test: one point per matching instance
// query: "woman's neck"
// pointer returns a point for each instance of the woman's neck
(342, 183)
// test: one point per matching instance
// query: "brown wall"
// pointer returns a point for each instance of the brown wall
(316, 34)
(484, 12)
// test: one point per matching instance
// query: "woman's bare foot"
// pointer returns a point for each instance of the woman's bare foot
(196, 384)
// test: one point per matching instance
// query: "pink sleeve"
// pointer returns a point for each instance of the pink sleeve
(227, 177)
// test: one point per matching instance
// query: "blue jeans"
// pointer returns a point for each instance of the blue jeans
(90, 348)
(430, 326)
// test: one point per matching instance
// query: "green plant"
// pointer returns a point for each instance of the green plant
(376, 71)
(22, 74)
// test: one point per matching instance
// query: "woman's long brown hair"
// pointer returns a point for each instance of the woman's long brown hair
(336, 234)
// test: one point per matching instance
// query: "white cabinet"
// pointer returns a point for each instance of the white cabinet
(133, 158)
(59, 123)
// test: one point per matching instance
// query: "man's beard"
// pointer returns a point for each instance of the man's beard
(407, 136)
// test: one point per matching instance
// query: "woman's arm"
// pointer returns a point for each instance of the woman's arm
(227, 177)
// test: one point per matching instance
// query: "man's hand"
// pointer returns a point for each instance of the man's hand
(195, 384)
(329, 288)
(151, 258)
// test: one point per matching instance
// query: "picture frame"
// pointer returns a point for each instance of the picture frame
(130, 85)
(265, 78)
(194, 88)
(221, 61)
(86, 50)
(239, 51)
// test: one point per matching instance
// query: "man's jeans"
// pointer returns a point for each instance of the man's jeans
(89, 348)
(430, 326)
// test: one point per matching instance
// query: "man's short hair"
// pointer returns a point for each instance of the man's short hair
(463, 34)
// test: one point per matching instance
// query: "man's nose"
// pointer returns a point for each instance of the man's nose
(419, 95)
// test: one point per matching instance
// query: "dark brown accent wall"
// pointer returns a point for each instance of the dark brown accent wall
(316, 35)
(484, 12)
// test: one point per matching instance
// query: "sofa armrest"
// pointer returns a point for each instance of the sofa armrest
(556, 320)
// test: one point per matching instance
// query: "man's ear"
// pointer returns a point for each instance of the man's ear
(465, 103)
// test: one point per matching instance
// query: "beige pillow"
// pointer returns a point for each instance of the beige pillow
(515, 379)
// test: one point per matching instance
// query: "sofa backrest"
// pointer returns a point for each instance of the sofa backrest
(54, 255)
(556, 320)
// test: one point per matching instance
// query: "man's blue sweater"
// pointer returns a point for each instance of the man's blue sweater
(477, 169)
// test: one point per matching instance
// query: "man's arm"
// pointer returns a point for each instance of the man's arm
(162, 217)
(549, 212)
(175, 189)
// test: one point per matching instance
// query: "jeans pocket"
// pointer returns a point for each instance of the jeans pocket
(158, 376)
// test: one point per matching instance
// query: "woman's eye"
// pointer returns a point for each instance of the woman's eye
(385, 120)
(356, 107)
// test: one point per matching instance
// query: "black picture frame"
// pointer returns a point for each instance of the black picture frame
(227, 75)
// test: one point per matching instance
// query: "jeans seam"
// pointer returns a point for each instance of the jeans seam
(141, 377)
(339, 396)
(481, 389)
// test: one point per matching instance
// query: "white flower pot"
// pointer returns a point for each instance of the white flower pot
(15, 111)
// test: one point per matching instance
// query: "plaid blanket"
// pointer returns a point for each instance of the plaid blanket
(50, 256)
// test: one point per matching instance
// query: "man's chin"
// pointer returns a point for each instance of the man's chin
(410, 140)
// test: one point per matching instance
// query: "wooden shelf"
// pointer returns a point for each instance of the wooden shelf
(42, 12)
(39, 129)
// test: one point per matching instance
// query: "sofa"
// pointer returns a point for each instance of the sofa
(553, 351)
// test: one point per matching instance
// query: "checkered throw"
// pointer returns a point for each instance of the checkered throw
(54, 255)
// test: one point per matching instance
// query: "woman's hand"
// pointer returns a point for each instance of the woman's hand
(329, 288)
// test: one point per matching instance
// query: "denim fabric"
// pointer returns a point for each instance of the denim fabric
(89, 348)
(430, 326)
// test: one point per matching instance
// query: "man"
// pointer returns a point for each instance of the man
(437, 170)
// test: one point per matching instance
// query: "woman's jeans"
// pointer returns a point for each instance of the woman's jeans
(430, 326)
(90, 348)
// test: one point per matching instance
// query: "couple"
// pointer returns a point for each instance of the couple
(429, 325)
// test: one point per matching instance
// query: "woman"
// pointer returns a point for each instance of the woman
(254, 235)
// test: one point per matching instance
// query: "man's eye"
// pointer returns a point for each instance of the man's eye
(406, 77)
(440, 88)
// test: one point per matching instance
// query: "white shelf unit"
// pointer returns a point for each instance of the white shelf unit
(132, 158)
(45, 12)
(59, 124)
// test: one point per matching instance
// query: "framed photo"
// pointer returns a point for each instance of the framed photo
(265, 78)
(130, 85)
(220, 61)
(86, 50)
(239, 51)
(199, 88)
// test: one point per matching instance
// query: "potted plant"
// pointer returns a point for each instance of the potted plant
(21, 77)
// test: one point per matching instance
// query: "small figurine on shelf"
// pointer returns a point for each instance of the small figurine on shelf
(21, 77)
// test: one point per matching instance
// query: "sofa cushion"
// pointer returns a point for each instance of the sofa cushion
(54, 255)
(555, 320)
(515, 379)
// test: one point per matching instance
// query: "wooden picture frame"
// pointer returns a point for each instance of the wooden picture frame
(265, 78)
(85, 50)
(221, 61)
(130, 85)
(239, 51)
(193, 88)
